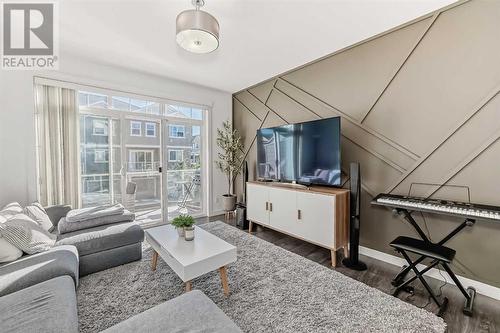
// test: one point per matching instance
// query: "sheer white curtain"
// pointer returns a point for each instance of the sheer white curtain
(58, 154)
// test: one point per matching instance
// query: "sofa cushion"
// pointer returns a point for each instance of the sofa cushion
(49, 306)
(39, 215)
(64, 226)
(102, 238)
(190, 312)
(36, 268)
(25, 234)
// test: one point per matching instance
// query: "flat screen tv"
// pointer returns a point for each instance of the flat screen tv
(305, 153)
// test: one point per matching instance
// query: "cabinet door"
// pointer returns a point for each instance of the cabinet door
(257, 203)
(316, 220)
(283, 208)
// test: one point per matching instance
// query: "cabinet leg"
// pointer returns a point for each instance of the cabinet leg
(334, 258)
(250, 225)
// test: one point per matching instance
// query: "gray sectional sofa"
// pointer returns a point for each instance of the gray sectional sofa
(38, 292)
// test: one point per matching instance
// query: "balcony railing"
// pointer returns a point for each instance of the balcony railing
(183, 190)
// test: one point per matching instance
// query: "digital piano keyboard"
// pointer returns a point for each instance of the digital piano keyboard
(446, 207)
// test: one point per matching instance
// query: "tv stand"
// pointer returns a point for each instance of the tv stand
(288, 185)
(318, 215)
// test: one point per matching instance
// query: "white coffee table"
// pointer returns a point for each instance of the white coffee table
(190, 259)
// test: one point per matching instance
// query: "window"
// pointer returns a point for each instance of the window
(150, 130)
(92, 100)
(184, 112)
(100, 127)
(176, 131)
(100, 156)
(140, 160)
(175, 155)
(135, 105)
(195, 157)
(135, 128)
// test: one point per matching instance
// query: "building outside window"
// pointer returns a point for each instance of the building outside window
(150, 129)
(176, 131)
(175, 155)
(141, 160)
(135, 128)
(122, 140)
(100, 156)
(100, 127)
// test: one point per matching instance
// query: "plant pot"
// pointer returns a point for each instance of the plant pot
(181, 232)
(189, 233)
(228, 202)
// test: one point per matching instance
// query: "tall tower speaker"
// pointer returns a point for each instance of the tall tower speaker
(355, 201)
(241, 208)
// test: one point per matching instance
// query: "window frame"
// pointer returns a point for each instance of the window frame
(132, 122)
(171, 126)
(176, 150)
(146, 129)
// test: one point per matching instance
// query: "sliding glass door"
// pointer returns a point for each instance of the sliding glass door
(183, 133)
(155, 147)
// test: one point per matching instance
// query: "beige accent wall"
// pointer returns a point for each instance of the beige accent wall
(418, 104)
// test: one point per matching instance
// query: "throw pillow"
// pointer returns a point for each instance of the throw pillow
(25, 234)
(8, 252)
(38, 213)
(10, 210)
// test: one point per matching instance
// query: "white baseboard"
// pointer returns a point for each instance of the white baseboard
(481, 288)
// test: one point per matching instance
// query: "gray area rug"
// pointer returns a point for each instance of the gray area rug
(272, 290)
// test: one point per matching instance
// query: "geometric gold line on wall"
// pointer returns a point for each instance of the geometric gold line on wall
(449, 72)
(370, 141)
(325, 110)
(351, 81)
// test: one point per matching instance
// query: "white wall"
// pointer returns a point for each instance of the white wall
(17, 129)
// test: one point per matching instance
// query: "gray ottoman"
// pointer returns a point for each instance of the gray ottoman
(105, 246)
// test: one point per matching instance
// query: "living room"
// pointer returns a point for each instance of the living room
(250, 166)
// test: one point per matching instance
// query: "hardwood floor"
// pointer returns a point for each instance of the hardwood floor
(486, 316)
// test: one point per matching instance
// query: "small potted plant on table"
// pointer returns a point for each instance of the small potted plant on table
(184, 225)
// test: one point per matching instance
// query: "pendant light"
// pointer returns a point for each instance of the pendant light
(197, 31)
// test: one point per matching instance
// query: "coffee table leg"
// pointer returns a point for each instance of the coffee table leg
(188, 286)
(223, 278)
(154, 260)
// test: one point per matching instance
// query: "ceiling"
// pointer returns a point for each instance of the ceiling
(259, 38)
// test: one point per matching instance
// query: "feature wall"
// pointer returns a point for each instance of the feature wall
(419, 104)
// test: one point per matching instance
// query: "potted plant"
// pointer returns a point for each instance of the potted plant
(229, 160)
(183, 223)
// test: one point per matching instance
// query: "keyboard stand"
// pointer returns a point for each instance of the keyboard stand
(470, 293)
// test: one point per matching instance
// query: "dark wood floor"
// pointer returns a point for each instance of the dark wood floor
(486, 316)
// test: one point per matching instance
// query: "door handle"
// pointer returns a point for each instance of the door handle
(270, 206)
(267, 205)
(299, 214)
